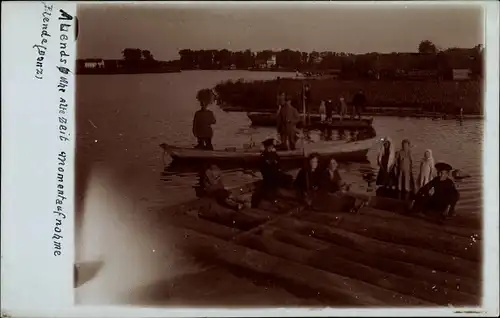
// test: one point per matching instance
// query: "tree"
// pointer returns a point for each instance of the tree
(427, 46)
(146, 54)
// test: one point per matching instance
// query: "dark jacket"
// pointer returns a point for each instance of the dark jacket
(202, 123)
(269, 166)
(359, 100)
(287, 120)
(308, 180)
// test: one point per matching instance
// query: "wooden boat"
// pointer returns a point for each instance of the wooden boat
(377, 257)
(270, 119)
(340, 150)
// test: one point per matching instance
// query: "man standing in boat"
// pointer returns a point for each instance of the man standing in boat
(203, 121)
(287, 121)
(358, 104)
(306, 97)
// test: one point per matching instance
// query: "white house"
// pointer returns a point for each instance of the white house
(97, 63)
(271, 62)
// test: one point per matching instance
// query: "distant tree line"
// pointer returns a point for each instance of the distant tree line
(429, 58)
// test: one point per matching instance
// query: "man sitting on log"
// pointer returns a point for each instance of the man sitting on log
(444, 197)
(272, 175)
(212, 187)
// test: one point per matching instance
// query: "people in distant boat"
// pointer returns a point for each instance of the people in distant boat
(307, 99)
(358, 104)
(203, 120)
(273, 177)
(426, 171)
(404, 169)
(329, 109)
(444, 197)
(342, 107)
(308, 179)
(385, 161)
(213, 187)
(287, 121)
(322, 111)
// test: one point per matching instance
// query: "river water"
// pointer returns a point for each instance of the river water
(121, 120)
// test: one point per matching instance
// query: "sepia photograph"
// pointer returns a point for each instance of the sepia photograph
(251, 155)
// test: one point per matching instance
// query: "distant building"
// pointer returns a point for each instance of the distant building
(94, 63)
(271, 62)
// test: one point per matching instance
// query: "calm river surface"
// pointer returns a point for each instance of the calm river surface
(123, 118)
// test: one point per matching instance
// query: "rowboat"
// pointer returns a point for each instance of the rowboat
(377, 257)
(340, 150)
(270, 119)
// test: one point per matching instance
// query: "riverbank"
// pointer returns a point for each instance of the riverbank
(430, 96)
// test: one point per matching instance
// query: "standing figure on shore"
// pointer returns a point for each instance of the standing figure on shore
(273, 177)
(444, 197)
(358, 104)
(280, 101)
(386, 161)
(306, 97)
(287, 121)
(322, 111)
(342, 108)
(426, 172)
(203, 121)
(404, 170)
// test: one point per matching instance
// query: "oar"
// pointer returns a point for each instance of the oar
(303, 134)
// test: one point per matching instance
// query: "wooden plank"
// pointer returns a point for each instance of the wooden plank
(367, 257)
(427, 258)
(419, 222)
(341, 290)
(203, 226)
(324, 259)
(403, 233)
(401, 207)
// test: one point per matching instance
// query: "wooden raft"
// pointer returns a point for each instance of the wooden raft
(373, 258)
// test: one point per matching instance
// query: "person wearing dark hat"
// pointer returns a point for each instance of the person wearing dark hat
(272, 175)
(203, 120)
(288, 118)
(445, 195)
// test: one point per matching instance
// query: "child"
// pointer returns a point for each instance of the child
(404, 168)
(322, 110)
(203, 120)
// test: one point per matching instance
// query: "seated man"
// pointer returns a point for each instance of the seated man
(272, 175)
(212, 187)
(445, 195)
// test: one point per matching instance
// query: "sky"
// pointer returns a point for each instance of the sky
(164, 29)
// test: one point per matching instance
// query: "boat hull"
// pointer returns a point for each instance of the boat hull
(345, 151)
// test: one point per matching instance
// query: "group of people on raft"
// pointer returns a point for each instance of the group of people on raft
(314, 185)
(322, 187)
(433, 190)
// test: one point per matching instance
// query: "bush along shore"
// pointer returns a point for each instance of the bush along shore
(446, 97)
